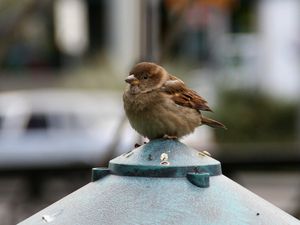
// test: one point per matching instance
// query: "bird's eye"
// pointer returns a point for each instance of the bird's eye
(145, 77)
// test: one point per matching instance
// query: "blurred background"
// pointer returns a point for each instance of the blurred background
(62, 70)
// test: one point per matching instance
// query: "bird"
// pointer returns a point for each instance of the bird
(160, 105)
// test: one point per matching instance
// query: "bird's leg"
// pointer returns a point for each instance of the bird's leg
(170, 137)
(137, 145)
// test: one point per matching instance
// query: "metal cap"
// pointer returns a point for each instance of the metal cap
(164, 158)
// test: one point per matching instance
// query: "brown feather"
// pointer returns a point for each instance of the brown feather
(212, 123)
(184, 96)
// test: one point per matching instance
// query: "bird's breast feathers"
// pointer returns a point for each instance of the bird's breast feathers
(142, 102)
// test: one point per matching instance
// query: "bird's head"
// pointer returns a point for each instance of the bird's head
(145, 77)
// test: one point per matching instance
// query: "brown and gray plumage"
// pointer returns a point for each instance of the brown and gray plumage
(159, 104)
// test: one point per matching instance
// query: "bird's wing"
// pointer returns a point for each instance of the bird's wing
(184, 96)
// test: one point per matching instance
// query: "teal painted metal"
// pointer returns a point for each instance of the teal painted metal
(163, 158)
(199, 179)
(147, 161)
(98, 173)
(133, 191)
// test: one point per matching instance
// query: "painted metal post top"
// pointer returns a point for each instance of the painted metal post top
(206, 199)
(164, 158)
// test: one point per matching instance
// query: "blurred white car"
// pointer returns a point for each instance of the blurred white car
(54, 128)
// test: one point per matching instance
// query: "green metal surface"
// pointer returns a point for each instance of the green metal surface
(179, 196)
(199, 179)
(98, 173)
(147, 161)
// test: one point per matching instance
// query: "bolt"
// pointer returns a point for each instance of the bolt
(164, 157)
(207, 153)
(204, 153)
(201, 154)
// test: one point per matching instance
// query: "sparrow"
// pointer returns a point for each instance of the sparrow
(159, 105)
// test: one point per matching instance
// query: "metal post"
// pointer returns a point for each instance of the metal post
(150, 31)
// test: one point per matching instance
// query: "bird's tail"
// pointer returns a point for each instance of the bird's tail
(212, 123)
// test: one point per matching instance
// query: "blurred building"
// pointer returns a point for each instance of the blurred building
(256, 41)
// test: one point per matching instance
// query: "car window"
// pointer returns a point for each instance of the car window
(37, 122)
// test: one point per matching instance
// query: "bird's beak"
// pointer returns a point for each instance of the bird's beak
(132, 80)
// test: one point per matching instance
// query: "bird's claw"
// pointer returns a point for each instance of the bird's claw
(137, 145)
(170, 137)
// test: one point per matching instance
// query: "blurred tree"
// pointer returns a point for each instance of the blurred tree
(253, 117)
(26, 35)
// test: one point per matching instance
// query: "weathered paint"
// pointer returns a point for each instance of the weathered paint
(146, 161)
(170, 198)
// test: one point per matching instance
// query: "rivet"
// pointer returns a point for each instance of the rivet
(164, 157)
(204, 153)
(201, 154)
(207, 153)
